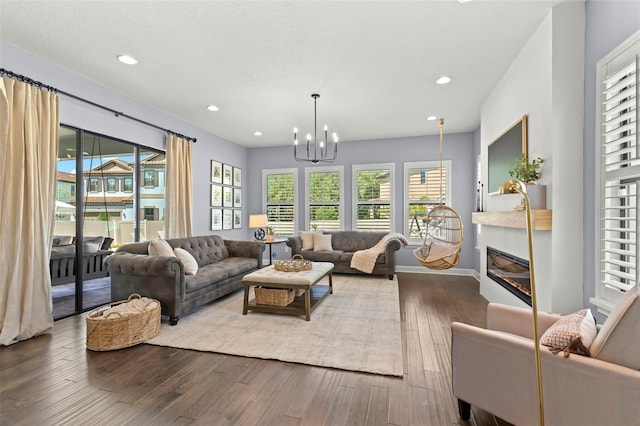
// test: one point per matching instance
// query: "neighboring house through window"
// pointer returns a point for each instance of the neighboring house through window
(324, 198)
(280, 188)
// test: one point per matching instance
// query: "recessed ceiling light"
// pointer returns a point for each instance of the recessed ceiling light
(212, 108)
(126, 59)
(431, 117)
(257, 133)
(443, 80)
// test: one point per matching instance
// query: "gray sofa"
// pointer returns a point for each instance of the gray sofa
(221, 266)
(344, 244)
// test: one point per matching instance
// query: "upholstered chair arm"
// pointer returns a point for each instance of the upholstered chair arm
(248, 249)
(143, 265)
(296, 245)
(495, 371)
(518, 321)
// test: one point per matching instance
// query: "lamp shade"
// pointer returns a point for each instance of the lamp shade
(257, 220)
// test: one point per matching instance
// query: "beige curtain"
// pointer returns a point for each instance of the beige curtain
(178, 188)
(29, 126)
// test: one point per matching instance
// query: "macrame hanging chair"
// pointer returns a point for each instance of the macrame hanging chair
(443, 237)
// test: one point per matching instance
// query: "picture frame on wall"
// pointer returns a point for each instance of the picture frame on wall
(216, 219)
(237, 219)
(227, 219)
(216, 171)
(237, 197)
(227, 174)
(216, 195)
(237, 176)
(227, 196)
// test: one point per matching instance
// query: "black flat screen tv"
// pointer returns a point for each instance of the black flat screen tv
(504, 152)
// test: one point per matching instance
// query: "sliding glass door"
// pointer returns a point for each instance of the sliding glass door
(110, 192)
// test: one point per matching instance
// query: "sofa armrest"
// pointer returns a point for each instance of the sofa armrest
(296, 245)
(248, 249)
(496, 372)
(518, 321)
(142, 265)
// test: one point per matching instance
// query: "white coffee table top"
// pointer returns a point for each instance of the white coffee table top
(270, 275)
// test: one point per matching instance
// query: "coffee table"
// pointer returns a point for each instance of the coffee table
(304, 280)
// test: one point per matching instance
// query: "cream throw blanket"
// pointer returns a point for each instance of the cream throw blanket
(365, 260)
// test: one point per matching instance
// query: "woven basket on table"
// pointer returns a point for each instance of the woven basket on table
(274, 296)
(108, 330)
(296, 264)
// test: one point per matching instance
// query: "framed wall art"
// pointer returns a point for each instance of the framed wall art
(237, 197)
(237, 176)
(216, 219)
(237, 219)
(216, 171)
(227, 174)
(227, 196)
(216, 195)
(227, 219)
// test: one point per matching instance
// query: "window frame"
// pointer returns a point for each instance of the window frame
(431, 164)
(294, 204)
(606, 296)
(354, 191)
(326, 169)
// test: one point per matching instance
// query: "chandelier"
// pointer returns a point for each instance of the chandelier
(313, 146)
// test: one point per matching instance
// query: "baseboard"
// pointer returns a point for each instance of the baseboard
(425, 270)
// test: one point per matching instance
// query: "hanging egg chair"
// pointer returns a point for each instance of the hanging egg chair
(443, 237)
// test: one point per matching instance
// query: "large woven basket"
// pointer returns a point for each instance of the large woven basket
(274, 296)
(108, 329)
(296, 264)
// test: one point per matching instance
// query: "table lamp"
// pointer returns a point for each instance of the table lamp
(258, 221)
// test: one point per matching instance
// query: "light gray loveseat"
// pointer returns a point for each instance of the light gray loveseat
(221, 266)
(344, 244)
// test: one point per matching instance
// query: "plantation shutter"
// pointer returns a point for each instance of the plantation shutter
(621, 175)
(373, 205)
(280, 202)
(324, 201)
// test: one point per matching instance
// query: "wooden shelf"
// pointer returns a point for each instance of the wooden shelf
(541, 219)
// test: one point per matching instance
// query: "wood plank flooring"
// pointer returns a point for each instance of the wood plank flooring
(52, 379)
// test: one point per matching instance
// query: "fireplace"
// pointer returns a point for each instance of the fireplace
(511, 272)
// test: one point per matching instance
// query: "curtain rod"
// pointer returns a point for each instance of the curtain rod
(24, 79)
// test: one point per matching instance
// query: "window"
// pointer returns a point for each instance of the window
(372, 189)
(619, 173)
(280, 188)
(150, 178)
(324, 198)
(128, 184)
(422, 191)
(111, 185)
(94, 185)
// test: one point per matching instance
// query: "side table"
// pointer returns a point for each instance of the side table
(272, 242)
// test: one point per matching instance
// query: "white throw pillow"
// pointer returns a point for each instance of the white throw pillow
(572, 333)
(307, 240)
(189, 262)
(322, 242)
(160, 247)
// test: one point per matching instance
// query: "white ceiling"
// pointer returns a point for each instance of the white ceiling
(374, 63)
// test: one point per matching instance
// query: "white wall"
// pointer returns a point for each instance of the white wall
(545, 82)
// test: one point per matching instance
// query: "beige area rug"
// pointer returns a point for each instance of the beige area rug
(356, 328)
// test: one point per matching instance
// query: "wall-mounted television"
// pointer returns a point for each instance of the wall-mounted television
(504, 152)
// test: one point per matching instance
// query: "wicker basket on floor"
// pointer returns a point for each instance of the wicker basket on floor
(274, 296)
(116, 330)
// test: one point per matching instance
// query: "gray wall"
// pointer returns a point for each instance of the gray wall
(608, 23)
(457, 147)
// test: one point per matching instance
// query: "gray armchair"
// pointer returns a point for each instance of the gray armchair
(494, 369)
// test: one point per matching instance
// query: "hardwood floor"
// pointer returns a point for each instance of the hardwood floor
(52, 379)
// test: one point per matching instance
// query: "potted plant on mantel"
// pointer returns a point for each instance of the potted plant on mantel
(528, 172)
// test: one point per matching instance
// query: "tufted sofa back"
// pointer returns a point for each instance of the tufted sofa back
(350, 241)
(205, 249)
